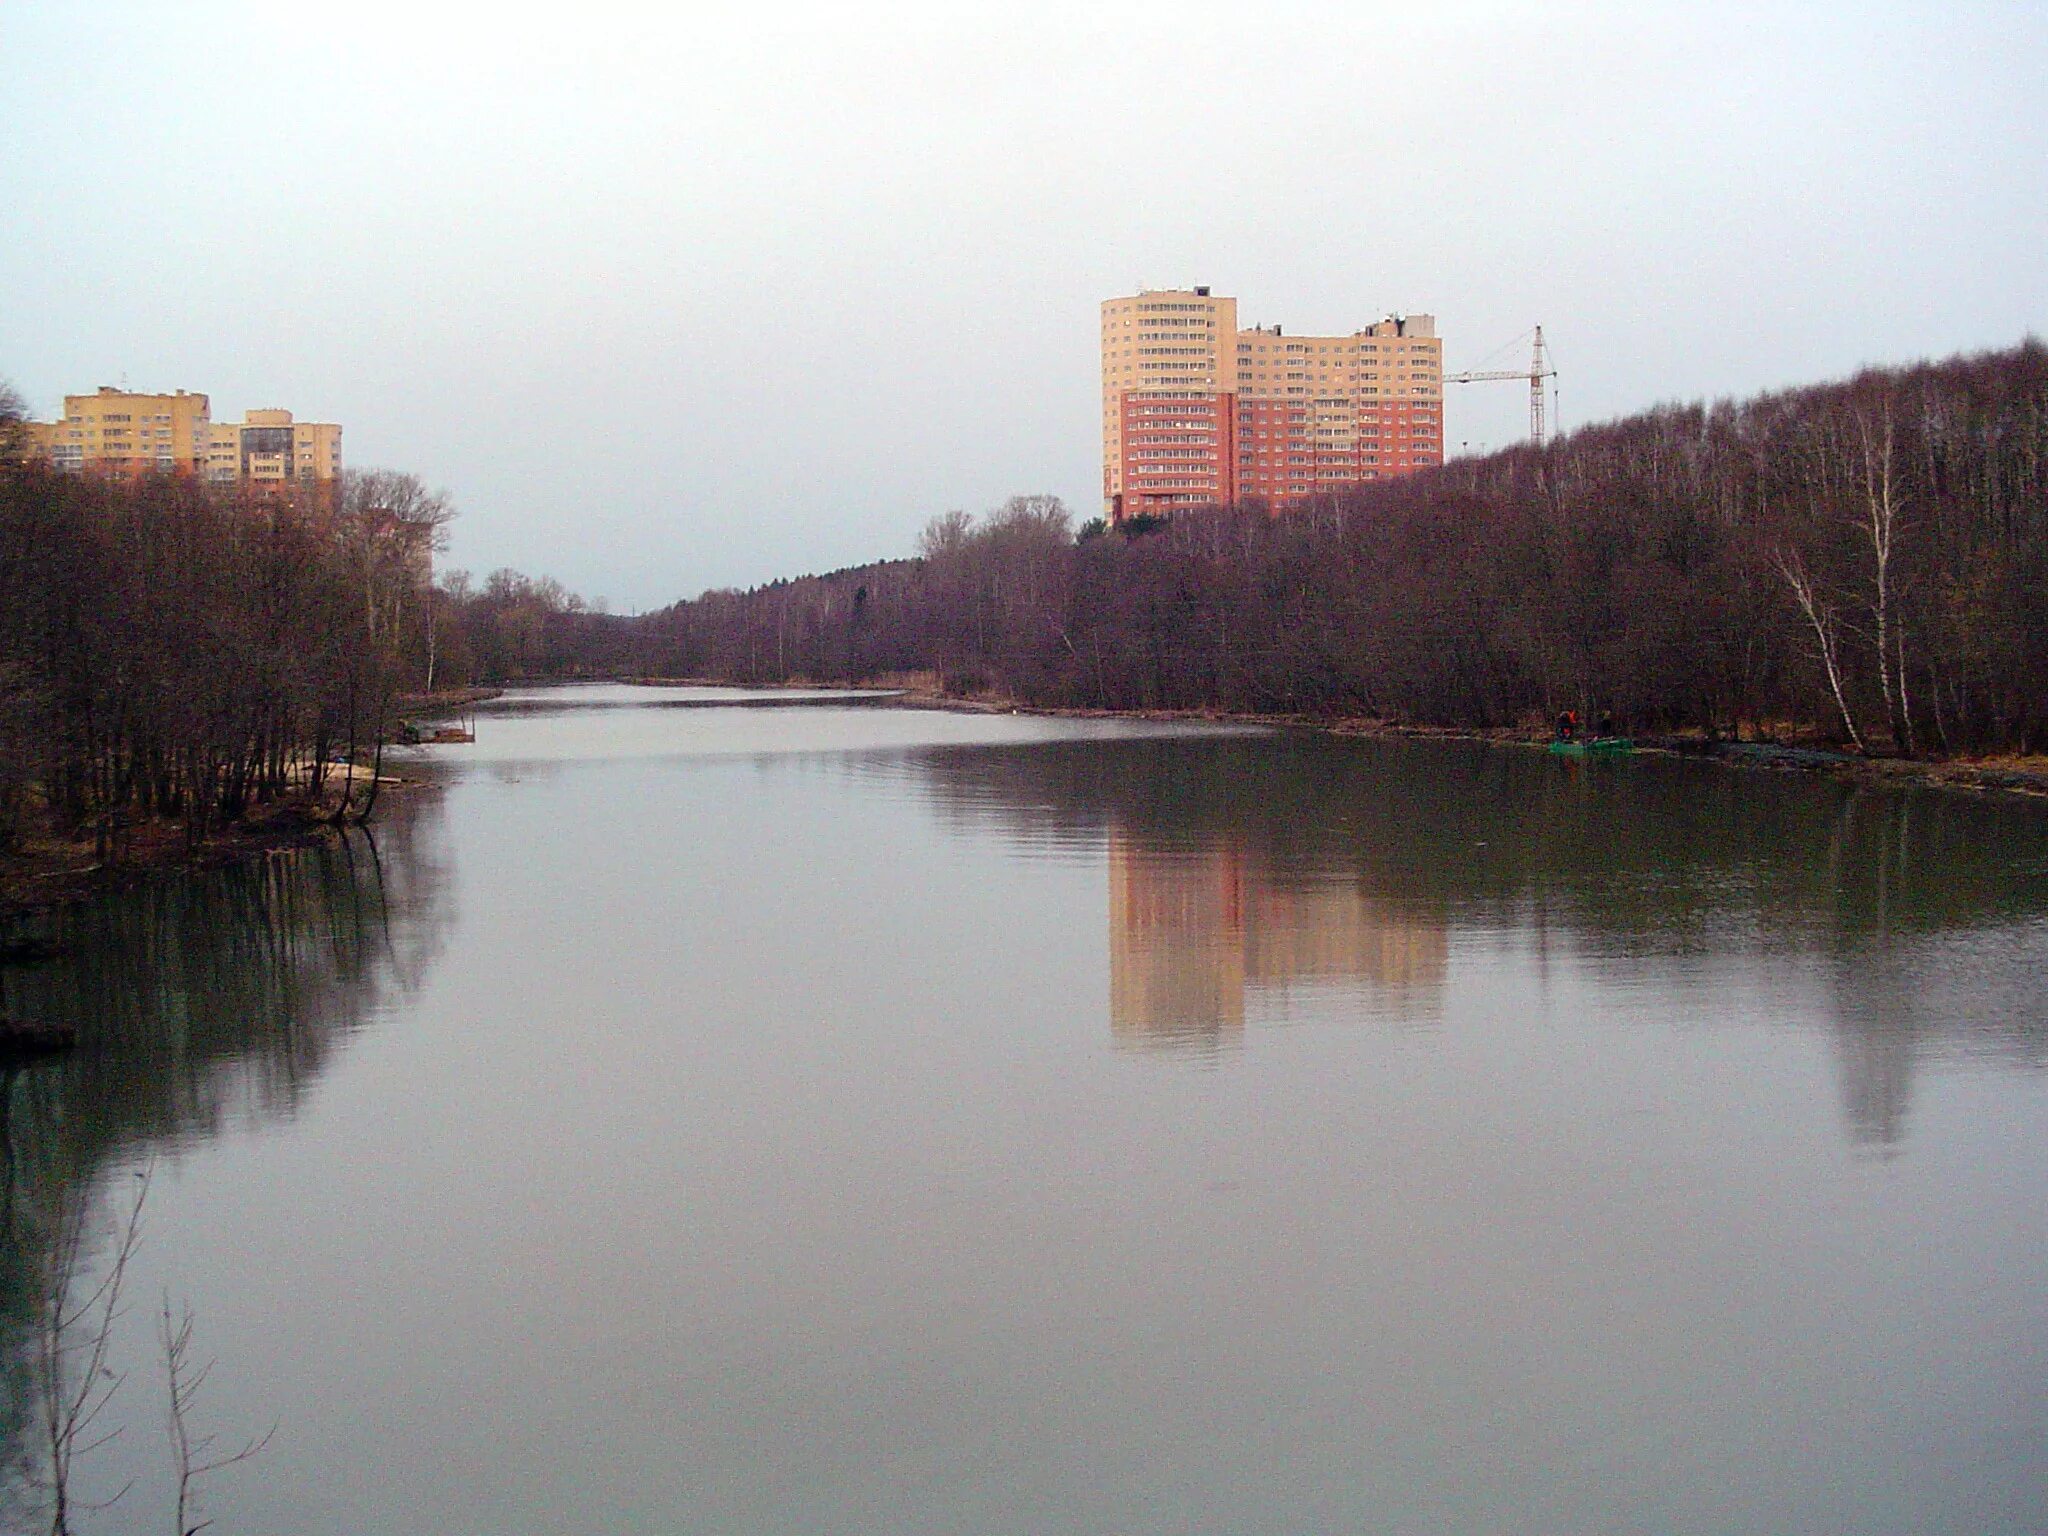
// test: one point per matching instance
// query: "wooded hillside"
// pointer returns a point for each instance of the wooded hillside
(1867, 560)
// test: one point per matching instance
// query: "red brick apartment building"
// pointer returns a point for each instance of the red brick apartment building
(1196, 411)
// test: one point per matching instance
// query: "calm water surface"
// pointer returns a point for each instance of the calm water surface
(693, 1116)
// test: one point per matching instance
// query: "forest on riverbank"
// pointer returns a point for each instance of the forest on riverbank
(1863, 562)
(176, 653)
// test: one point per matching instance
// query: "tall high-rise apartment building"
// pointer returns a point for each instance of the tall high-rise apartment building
(1197, 411)
(1169, 401)
(120, 433)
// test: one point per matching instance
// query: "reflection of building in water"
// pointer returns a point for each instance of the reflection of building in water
(1193, 931)
(1176, 942)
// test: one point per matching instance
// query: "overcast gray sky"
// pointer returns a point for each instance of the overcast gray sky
(672, 297)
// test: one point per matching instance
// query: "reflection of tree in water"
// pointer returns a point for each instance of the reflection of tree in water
(1647, 858)
(201, 1000)
(1935, 941)
(1877, 1041)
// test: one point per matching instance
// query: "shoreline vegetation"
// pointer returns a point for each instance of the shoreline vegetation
(1849, 578)
(46, 869)
(1857, 569)
(1859, 566)
(191, 672)
(2025, 776)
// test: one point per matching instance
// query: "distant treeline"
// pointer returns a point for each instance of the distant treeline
(174, 650)
(1866, 560)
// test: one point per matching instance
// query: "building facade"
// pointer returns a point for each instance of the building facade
(1196, 411)
(268, 448)
(122, 434)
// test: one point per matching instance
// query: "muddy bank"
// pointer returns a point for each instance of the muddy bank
(2004, 775)
(50, 871)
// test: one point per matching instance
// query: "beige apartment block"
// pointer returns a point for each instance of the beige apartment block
(121, 433)
(269, 448)
(1319, 413)
(1196, 411)
(118, 432)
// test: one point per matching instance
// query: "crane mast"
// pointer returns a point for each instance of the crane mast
(1539, 370)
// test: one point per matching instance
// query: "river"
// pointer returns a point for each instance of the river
(714, 1113)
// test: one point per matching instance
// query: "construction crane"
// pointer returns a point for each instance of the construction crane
(1539, 369)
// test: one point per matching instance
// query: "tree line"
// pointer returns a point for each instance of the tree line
(174, 650)
(1863, 561)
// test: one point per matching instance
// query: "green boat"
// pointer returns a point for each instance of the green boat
(1599, 746)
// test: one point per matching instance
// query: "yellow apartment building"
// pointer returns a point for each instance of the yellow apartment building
(1196, 411)
(269, 448)
(121, 433)
(118, 432)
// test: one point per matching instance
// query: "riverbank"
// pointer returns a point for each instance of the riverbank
(445, 701)
(2004, 775)
(50, 871)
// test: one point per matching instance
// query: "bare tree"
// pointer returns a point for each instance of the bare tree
(74, 1382)
(1881, 509)
(1822, 619)
(13, 412)
(193, 1454)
